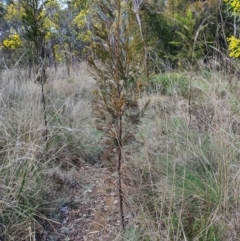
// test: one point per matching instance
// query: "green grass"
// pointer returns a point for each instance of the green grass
(170, 83)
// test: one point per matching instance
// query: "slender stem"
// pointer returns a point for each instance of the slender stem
(44, 111)
(119, 136)
(120, 192)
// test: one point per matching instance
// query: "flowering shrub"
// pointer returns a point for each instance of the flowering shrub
(234, 43)
(234, 4)
(12, 42)
(234, 47)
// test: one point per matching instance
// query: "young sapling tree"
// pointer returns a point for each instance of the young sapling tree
(34, 34)
(117, 57)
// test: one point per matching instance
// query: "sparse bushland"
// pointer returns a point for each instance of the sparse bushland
(185, 175)
(179, 178)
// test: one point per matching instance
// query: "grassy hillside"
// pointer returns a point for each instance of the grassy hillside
(183, 168)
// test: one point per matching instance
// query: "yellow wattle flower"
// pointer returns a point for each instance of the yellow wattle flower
(234, 47)
(12, 42)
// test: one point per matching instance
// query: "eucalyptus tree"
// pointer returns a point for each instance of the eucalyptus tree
(81, 11)
(52, 9)
(67, 36)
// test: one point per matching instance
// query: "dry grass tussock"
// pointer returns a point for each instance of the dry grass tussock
(26, 181)
(188, 171)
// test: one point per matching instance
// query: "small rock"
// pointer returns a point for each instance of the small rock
(103, 209)
(116, 201)
(88, 191)
(109, 219)
(64, 230)
(65, 210)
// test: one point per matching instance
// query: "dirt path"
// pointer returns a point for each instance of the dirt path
(88, 210)
(99, 210)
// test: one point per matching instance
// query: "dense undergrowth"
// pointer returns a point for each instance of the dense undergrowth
(186, 169)
(190, 169)
(26, 182)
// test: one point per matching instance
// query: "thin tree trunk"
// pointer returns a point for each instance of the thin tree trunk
(120, 192)
(67, 63)
(119, 131)
(43, 80)
(29, 68)
(136, 5)
(54, 55)
(190, 97)
(44, 109)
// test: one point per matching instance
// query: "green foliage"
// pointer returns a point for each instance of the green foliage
(189, 47)
(199, 197)
(33, 20)
(170, 83)
(170, 29)
(176, 6)
(132, 235)
(81, 21)
(21, 193)
(14, 12)
(181, 32)
(157, 31)
(202, 196)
